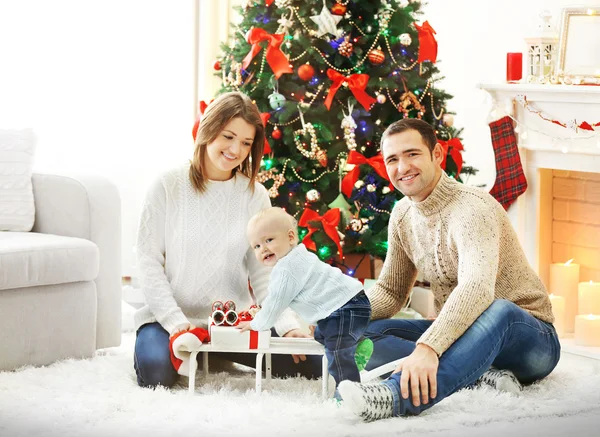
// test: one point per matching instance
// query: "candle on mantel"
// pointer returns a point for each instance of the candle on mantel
(564, 281)
(589, 298)
(587, 330)
(558, 309)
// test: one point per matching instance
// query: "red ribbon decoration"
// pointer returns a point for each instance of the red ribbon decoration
(357, 159)
(265, 117)
(329, 220)
(202, 106)
(428, 46)
(454, 147)
(357, 84)
(278, 62)
(253, 340)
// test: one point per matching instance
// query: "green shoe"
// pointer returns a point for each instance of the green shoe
(363, 353)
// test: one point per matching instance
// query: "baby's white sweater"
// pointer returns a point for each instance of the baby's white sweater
(192, 250)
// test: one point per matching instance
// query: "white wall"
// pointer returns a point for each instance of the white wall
(473, 39)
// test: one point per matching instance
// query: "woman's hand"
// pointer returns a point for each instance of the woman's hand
(297, 334)
(243, 326)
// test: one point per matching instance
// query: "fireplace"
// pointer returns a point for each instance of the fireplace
(558, 217)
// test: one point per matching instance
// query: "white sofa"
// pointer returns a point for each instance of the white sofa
(60, 284)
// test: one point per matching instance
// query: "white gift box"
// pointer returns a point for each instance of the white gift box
(224, 336)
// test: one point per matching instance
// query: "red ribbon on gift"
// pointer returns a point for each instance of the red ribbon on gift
(428, 46)
(329, 221)
(454, 147)
(202, 106)
(278, 62)
(357, 159)
(253, 340)
(357, 84)
(265, 117)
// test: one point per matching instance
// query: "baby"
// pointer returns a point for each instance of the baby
(321, 294)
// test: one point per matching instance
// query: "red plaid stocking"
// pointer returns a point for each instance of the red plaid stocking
(510, 179)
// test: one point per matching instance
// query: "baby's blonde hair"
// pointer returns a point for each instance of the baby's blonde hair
(277, 215)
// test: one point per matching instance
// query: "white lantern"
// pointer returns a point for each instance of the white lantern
(542, 51)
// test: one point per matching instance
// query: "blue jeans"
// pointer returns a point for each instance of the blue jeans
(152, 361)
(505, 336)
(340, 333)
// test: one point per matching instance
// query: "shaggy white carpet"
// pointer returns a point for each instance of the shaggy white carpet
(100, 397)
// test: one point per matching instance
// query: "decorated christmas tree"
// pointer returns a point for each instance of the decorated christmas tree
(329, 76)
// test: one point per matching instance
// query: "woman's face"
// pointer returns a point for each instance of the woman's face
(229, 149)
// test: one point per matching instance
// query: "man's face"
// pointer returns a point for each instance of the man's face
(413, 170)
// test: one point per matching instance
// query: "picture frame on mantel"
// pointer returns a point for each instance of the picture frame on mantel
(579, 45)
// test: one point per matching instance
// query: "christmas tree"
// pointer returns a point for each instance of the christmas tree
(329, 76)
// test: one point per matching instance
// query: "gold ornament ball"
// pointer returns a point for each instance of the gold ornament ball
(345, 48)
(381, 99)
(313, 196)
(376, 56)
(448, 120)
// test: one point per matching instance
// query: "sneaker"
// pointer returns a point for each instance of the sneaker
(369, 401)
(502, 380)
(363, 353)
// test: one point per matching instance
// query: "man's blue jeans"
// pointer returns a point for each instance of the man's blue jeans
(340, 333)
(504, 336)
(152, 361)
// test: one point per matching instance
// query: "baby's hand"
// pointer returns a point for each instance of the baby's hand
(244, 326)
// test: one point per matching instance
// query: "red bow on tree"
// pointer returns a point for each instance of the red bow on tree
(329, 221)
(202, 105)
(427, 44)
(356, 158)
(357, 84)
(265, 117)
(275, 58)
(269, 2)
(454, 147)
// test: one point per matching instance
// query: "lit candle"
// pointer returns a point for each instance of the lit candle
(558, 309)
(589, 298)
(587, 330)
(564, 281)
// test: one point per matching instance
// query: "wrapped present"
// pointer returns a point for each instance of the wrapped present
(227, 337)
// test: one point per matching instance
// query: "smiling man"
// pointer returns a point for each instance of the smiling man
(493, 310)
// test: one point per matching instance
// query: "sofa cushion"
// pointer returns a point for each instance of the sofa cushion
(17, 210)
(30, 259)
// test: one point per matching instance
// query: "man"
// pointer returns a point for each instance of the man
(493, 310)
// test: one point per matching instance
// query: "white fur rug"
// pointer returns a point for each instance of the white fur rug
(100, 397)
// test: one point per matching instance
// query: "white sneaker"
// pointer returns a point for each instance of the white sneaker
(502, 380)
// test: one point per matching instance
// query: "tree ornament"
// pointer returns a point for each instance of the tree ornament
(376, 56)
(217, 65)
(276, 134)
(371, 188)
(322, 157)
(314, 145)
(276, 100)
(356, 225)
(405, 39)
(327, 23)
(338, 9)
(385, 190)
(306, 72)
(358, 185)
(448, 120)
(346, 47)
(349, 126)
(313, 196)
(283, 4)
(278, 180)
(381, 99)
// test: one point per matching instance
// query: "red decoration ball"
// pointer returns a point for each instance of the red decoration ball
(276, 135)
(376, 56)
(338, 9)
(306, 72)
(217, 65)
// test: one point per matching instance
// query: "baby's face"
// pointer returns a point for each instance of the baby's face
(270, 242)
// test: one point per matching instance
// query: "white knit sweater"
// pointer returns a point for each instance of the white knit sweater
(192, 250)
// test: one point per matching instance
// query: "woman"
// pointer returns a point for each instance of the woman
(192, 248)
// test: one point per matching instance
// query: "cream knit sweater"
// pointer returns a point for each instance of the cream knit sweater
(462, 242)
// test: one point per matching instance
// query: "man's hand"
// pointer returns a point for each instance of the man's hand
(243, 326)
(419, 370)
(298, 334)
(189, 327)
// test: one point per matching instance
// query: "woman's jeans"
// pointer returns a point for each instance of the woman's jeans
(504, 336)
(340, 333)
(152, 361)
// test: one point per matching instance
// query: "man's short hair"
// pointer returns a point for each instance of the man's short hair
(425, 130)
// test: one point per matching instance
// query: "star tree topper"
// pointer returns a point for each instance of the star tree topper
(327, 22)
